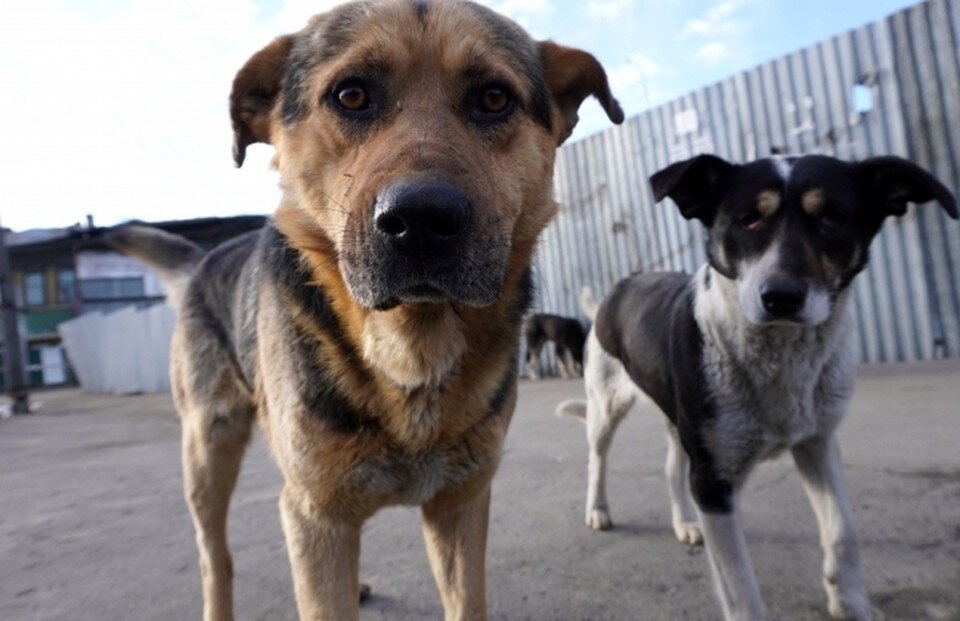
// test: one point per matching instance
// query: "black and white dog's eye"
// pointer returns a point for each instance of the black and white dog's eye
(831, 221)
(751, 220)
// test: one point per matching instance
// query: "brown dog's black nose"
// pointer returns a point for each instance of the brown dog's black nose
(783, 297)
(422, 217)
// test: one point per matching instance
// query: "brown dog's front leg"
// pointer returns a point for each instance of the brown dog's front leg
(455, 531)
(324, 557)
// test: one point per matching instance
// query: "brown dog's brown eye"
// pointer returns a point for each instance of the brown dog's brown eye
(353, 98)
(495, 100)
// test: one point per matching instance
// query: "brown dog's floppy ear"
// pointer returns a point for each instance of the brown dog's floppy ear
(255, 90)
(897, 182)
(694, 185)
(571, 76)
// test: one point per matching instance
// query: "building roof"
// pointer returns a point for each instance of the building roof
(36, 236)
(91, 238)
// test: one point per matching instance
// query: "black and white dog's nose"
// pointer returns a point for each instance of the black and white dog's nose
(422, 217)
(783, 297)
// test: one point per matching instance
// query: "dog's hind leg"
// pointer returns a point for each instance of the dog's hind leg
(822, 473)
(605, 410)
(561, 354)
(533, 362)
(216, 415)
(686, 524)
(573, 366)
(213, 448)
(610, 395)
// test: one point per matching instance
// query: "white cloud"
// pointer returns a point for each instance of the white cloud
(712, 54)
(528, 13)
(716, 30)
(607, 9)
(724, 9)
(294, 14)
(705, 27)
(718, 20)
(635, 80)
(637, 68)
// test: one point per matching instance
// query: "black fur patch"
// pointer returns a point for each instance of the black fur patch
(294, 83)
(327, 41)
(647, 323)
(319, 389)
(507, 384)
(525, 292)
(210, 299)
(521, 51)
(421, 7)
(511, 330)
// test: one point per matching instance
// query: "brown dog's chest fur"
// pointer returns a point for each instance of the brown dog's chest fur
(365, 409)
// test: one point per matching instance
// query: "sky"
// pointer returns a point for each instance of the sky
(118, 108)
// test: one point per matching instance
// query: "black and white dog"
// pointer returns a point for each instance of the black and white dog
(752, 355)
(568, 337)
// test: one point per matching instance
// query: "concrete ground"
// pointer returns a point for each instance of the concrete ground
(93, 526)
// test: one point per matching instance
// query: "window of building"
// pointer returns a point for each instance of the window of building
(112, 288)
(66, 286)
(33, 289)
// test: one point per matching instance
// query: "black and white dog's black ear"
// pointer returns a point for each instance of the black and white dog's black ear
(694, 185)
(897, 182)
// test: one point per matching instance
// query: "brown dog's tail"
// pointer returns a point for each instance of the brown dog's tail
(572, 407)
(589, 304)
(173, 257)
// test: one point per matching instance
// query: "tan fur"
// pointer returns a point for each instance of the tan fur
(768, 202)
(427, 374)
(812, 201)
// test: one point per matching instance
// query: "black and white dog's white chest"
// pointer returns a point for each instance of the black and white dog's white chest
(770, 387)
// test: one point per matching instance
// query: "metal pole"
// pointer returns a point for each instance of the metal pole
(13, 355)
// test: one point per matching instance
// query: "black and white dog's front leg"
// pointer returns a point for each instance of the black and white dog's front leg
(733, 574)
(717, 500)
(821, 470)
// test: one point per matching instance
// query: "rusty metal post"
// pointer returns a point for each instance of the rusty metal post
(16, 383)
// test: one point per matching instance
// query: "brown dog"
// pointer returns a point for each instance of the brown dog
(415, 143)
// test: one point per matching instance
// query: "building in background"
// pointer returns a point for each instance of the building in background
(60, 274)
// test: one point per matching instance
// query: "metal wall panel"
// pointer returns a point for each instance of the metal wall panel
(907, 302)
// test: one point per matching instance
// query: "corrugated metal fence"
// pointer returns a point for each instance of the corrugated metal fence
(904, 69)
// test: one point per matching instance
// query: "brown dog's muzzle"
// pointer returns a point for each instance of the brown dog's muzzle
(424, 245)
